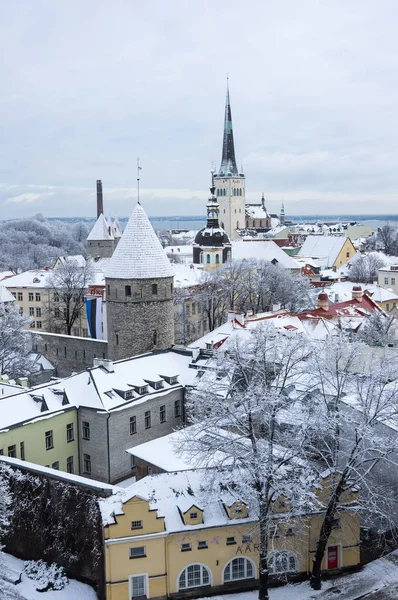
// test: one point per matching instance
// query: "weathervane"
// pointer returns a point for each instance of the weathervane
(138, 179)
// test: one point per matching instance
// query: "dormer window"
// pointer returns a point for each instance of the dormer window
(193, 515)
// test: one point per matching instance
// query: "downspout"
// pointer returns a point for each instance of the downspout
(108, 449)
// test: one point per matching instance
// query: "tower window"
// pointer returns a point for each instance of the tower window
(240, 192)
(117, 339)
(155, 337)
(234, 192)
(225, 192)
(217, 259)
(109, 289)
(154, 289)
(127, 290)
(208, 259)
(201, 258)
(224, 211)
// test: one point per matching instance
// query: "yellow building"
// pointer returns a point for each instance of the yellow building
(33, 431)
(331, 252)
(165, 536)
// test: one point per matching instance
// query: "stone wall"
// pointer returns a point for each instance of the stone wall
(68, 354)
(101, 248)
(139, 320)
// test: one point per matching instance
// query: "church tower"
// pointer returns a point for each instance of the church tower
(212, 247)
(230, 184)
(139, 292)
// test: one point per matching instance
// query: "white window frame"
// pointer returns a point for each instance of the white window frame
(196, 586)
(131, 577)
(271, 562)
(239, 578)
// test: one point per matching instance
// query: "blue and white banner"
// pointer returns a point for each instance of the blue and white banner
(94, 317)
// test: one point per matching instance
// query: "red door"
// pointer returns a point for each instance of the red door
(333, 557)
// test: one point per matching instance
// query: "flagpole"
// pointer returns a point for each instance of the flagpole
(138, 179)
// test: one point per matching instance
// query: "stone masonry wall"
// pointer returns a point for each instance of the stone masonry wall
(101, 249)
(142, 321)
(68, 353)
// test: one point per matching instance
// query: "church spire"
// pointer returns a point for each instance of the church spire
(228, 162)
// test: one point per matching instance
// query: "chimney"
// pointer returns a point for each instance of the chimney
(357, 293)
(100, 200)
(323, 301)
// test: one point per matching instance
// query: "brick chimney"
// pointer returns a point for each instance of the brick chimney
(357, 293)
(100, 200)
(323, 301)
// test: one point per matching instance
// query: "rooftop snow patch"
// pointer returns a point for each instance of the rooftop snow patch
(100, 231)
(139, 254)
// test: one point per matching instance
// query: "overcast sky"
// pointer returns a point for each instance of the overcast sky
(87, 86)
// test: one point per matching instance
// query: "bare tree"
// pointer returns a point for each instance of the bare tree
(247, 392)
(212, 299)
(387, 236)
(378, 330)
(15, 341)
(352, 404)
(68, 284)
(364, 268)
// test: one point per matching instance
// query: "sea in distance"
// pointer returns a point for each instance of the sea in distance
(196, 222)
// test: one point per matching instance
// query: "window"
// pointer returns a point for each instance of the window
(86, 430)
(132, 461)
(186, 547)
(392, 280)
(56, 298)
(1, 451)
(247, 538)
(138, 586)
(193, 308)
(149, 470)
(76, 332)
(138, 552)
(85, 332)
(31, 311)
(38, 297)
(154, 289)
(230, 541)
(217, 259)
(108, 288)
(20, 296)
(133, 425)
(127, 290)
(289, 531)
(388, 306)
(177, 409)
(38, 311)
(202, 545)
(57, 312)
(55, 465)
(336, 524)
(39, 324)
(12, 451)
(163, 413)
(87, 464)
(69, 464)
(136, 524)
(208, 258)
(117, 339)
(147, 419)
(239, 568)
(49, 440)
(194, 576)
(70, 434)
(187, 310)
(22, 450)
(347, 255)
(282, 562)
(30, 297)
(385, 280)
(193, 515)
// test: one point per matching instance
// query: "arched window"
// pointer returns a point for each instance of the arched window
(154, 289)
(225, 192)
(282, 562)
(218, 192)
(201, 258)
(127, 290)
(234, 191)
(155, 337)
(237, 224)
(247, 224)
(208, 259)
(217, 259)
(240, 192)
(239, 568)
(194, 576)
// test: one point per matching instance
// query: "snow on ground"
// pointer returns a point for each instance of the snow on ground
(377, 575)
(11, 567)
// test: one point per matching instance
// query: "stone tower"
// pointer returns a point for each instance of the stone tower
(230, 184)
(139, 292)
(212, 246)
(101, 240)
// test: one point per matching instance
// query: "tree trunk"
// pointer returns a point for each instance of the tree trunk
(326, 529)
(263, 558)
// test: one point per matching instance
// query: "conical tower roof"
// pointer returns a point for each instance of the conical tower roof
(139, 254)
(100, 231)
(228, 162)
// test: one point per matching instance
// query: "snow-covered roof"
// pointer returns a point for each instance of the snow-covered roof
(78, 259)
(35, 278)
(325, 248)
(186, 276)
(5, 295)
(100, 387)
(263, 250)
(162, 453)
(256, 211)
(116, 229)
(343, 291)
(102, 230)
(139, 254)
(5, 274)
